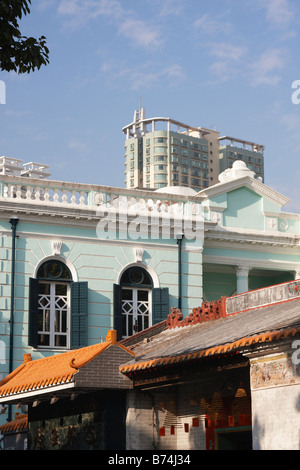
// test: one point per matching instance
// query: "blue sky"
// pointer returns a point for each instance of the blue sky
(227, 64)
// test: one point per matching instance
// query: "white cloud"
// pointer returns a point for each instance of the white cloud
(168, 76)
(291, 124)
(222, 70)
(169, 7)
(88, 9)
(78, 13)
(78, 146)
(265, 70)
(228, 60)
(16, 113)
(141, 34)
(212, 25)
(148, 75)
(227, 51)
(278, 12)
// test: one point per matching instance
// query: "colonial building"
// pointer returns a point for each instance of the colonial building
(78, 260)
(212, 380)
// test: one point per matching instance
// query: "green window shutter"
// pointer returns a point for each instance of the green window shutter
(160, 304)
(118, 318)
(33, 312)
(79, 314)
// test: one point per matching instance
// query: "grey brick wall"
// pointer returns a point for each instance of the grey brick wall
(103, 371)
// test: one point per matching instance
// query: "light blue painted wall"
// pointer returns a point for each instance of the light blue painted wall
(244, 210)
(99, 262)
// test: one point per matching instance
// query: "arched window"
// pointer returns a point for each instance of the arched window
(53, 304)
(136, 300)
(57, 308)
(137, 304)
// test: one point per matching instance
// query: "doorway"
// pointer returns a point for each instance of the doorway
(234, 439)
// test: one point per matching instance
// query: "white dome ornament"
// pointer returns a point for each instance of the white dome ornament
(239, 170)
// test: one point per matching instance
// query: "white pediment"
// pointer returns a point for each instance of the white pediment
(240, 176)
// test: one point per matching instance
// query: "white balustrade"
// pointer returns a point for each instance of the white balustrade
(54, 193)
(44, 195)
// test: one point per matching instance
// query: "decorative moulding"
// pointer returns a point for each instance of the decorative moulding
(56, 246)
(242, 271)
(272, 223)
(98, 198)
(138, 254)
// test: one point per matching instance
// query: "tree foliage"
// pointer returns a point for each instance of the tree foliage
(19, 53)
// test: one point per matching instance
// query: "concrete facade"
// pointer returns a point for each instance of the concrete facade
(246, 241)
(161, 151)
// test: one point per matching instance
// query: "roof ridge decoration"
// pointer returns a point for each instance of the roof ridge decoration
(78, 365)
(208, 311)
(111, 340)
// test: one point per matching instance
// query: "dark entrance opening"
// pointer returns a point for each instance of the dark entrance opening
(234, 439)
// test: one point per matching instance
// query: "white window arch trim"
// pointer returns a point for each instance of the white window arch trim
(57, 258)
(147, 268)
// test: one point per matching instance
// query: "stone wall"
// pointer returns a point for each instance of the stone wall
(275, 392)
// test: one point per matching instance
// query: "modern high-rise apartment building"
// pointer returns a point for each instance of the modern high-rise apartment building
(163, 152)
(232, 149)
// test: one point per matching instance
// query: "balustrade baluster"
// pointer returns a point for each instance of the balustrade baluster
(56, 196)
(28, 192)
(19, 191)
(73, 197)
(37, 194)
(46, 195)
(64, 196)
(81, 199)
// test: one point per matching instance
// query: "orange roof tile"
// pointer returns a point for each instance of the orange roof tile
(54, 370)
(219, 349)
(20, 423)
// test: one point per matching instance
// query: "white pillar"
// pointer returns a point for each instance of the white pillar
(242, 273)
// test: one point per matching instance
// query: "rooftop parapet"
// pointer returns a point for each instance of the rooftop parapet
(16, 167)
(174, 212)
(34, 191)
(254, 147)
(139, 126)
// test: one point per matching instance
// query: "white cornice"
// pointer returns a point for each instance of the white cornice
(245, 234)
(253, 263)
(254, 240)
(253, 247)
(102, 241)
(282, 215)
